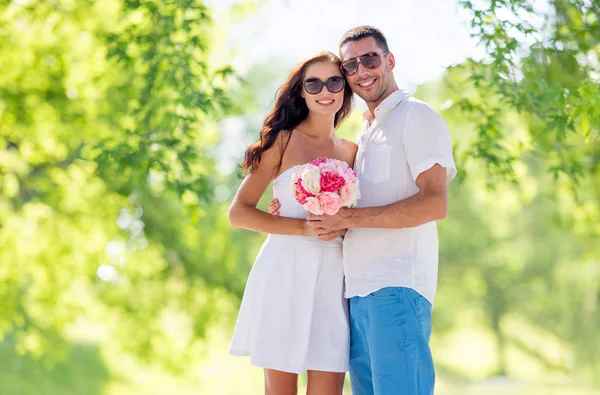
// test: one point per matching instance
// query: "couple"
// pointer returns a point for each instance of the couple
(310, 304)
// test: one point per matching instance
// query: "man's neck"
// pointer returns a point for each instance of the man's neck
(373, 105)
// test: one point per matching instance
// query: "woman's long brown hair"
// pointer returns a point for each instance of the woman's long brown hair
(290, 109)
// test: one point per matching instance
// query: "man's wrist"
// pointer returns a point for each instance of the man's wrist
(350, 219)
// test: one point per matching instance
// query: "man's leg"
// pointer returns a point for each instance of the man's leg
(360, 361)
(399, 327)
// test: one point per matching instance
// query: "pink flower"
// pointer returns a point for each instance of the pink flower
(328, 166)
(348, 173)
(324, 185)
(313, 206)
(330, 202)
(301, 194)
(318, 161)
(331, 182)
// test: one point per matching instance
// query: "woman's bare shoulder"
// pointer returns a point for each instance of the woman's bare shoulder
(350, 149)
(349, 144)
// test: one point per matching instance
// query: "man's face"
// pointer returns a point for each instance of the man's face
(368, 83)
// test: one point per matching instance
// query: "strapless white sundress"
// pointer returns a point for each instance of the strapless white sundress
(293, 315)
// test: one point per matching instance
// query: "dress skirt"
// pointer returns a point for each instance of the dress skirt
(293, 315)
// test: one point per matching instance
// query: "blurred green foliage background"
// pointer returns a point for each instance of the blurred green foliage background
(119, 273)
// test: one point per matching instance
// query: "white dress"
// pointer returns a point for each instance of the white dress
(293, 315)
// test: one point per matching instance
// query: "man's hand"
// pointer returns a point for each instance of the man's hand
(274, 206)
(330, 222)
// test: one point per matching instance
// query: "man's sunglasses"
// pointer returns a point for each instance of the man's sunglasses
(315, 85)
(371, 60)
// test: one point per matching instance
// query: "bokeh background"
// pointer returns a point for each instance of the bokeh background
(121, 125)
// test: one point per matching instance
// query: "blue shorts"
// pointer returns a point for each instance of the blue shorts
(389, 343)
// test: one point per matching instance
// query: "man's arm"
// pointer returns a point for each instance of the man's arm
(428, 152)
(429, 204)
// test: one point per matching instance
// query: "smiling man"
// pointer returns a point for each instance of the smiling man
(404, 164)
(390, 252)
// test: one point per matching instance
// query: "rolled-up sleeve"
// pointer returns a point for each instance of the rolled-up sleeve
(427, 141)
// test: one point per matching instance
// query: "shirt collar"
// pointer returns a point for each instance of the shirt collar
(388, 104)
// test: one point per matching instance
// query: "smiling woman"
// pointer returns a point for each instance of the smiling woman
(293, 316)
(292, 108)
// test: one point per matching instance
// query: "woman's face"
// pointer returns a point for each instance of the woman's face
(323, 88)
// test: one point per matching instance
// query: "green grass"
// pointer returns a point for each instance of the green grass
(93, 370)
(82, 372)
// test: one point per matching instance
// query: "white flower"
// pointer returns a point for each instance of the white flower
(311, 179)
(350, 194)
(295, 176)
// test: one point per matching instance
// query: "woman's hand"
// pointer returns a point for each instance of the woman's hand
(274, 207)
(310, 230)
(333, 235)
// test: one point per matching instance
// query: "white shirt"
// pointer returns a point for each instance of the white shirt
(405, 138)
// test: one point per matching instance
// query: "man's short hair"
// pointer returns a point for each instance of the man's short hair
(358, 33)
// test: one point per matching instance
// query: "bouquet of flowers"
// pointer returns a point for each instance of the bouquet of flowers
(325, 185)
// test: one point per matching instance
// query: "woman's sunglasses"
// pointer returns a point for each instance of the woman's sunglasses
(315, 85)
(371, 60)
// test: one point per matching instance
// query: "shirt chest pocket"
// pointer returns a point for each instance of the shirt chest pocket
(377, 163)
